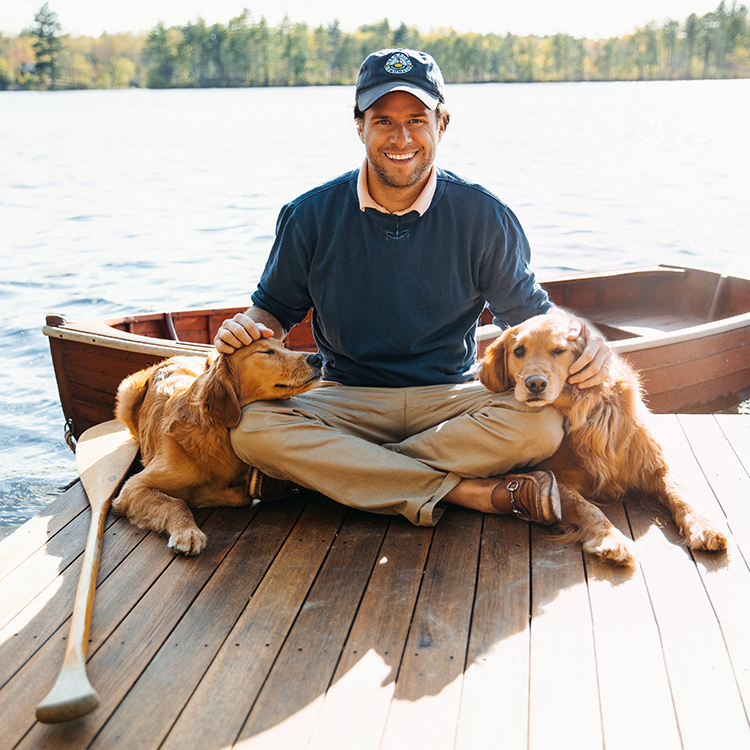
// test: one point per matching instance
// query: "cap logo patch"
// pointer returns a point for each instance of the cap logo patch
(398, 64)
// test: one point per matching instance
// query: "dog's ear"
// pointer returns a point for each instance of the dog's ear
(578, 344)
(493, 372)
(219, 397)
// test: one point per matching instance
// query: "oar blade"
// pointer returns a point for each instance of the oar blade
(104, 454)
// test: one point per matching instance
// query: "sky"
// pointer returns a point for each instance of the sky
(580, 18)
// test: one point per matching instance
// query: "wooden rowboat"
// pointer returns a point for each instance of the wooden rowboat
(687, 331)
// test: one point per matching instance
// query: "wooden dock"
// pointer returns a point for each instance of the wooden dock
(306, 625)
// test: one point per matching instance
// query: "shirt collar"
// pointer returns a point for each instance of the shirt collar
(424, 199)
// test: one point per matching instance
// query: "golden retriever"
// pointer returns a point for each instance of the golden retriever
(180, 412)
(607, 450)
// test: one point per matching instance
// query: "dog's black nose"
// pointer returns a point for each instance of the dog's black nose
(315, 360)
(536, 384)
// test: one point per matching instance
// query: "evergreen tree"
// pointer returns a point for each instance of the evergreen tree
(47, 45)
(161, 58)
(691, 42)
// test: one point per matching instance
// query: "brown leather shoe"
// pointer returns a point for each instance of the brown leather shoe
(262, 487)
(532, 497)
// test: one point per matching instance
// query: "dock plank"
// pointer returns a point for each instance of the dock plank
(358, 700)
(427, 698)
(563, 690)
(736, 429)
(494, 702)
(634, 692)
(115, 598)
(726, 577)
(35, 533)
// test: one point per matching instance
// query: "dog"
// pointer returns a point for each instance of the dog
(608, 449)
(180, 411)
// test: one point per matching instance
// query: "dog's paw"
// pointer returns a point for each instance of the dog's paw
(191, 541)
(701, 534)
(614, 548)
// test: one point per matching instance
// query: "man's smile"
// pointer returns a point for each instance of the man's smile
(401, 136)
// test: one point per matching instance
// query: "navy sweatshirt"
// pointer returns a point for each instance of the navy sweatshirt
(396, 299)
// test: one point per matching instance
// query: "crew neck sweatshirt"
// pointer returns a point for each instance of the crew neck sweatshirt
(396, 299)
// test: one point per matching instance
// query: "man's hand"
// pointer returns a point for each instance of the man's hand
(239, 331)
(592, 367)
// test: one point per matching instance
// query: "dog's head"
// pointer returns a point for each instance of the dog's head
(532, 358)
(263, 371)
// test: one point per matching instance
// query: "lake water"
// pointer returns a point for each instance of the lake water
(131, 201)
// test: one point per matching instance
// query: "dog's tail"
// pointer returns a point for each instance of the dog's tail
(130, 395)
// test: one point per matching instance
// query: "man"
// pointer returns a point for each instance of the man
(397, 260)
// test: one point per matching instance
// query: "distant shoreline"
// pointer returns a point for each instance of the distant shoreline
(244, 53)
(321, 85)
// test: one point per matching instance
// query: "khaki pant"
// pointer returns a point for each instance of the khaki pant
(394, 450)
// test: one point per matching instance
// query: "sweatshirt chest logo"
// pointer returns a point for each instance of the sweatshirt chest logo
(399, 234)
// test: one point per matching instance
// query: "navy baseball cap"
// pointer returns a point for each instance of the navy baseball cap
(399, 70)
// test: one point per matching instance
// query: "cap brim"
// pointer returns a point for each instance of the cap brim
(366, 99)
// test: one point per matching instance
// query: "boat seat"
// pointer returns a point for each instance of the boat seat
(641, 330)
(617, 333)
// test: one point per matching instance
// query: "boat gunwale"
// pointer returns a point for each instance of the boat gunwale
(129, 342)
(652, 340)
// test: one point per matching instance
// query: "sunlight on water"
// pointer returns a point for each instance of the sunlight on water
(131, 201)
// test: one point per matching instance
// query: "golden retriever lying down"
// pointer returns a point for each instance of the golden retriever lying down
(607, 450)
(180, 411)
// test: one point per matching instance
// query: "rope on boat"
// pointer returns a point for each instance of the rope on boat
(69, 435)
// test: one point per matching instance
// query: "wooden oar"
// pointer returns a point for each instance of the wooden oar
(104, 454)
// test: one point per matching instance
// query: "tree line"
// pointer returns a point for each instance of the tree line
(249, 52)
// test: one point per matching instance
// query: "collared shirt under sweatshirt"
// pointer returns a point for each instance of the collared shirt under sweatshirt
(395, 299)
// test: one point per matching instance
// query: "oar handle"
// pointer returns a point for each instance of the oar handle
(72, 695)
(84, 604)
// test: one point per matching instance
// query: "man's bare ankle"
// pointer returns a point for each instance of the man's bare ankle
(473, 493)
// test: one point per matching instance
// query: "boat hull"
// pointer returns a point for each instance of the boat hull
(686, 331)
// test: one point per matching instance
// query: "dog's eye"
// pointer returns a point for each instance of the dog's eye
(557, 352)
(519, 351)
